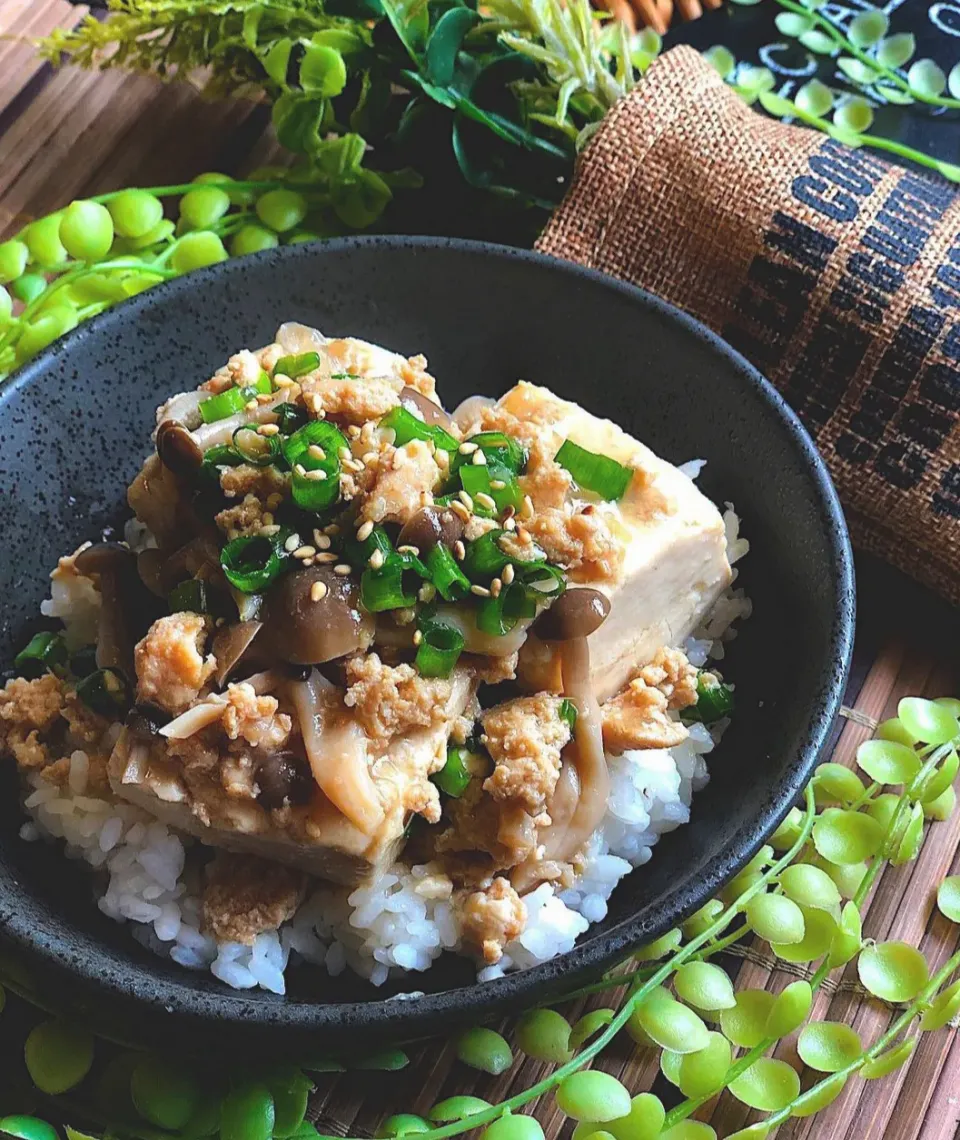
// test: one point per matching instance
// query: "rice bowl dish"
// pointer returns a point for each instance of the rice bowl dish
(350, 696)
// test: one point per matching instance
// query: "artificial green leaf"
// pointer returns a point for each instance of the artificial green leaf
(251, 26)
(445, 41)
(360, 203)
(793, 24)
(894, 95)
(909, 846)
(775, 105)
(927, 77)
(949, 170)
(819, 1097)
(888, 1062)
(894, 971)
(948, 898)
(768, 1085)
(756, 79)
(815, 98)
(953, 81)
(855, 114)
(868, 28)
(721, 59)
(341, 157)
(298, 119)
(789, 1010)
(818, 42)
(322, 70)
(277, 60)
(894, 51)
(856, 70)
(943, 1009)
(828, 1046)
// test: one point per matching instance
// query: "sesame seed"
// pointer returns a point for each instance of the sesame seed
(480, 591)
(508, 574)
(307, 562)
(270, 530)
(299, 469)
(484, 739)
(443, 460)
(316, 451)
(264, 397)
(315, 476)
(460, 510)
(274, 501)
(323, 543)
(375, 561)
(352, 465)
(365, 530)
(250, 406)
(509, 524)
(269, 429)
(486, 500)
(292, 543)
(408, 549)
(427, 592)
(399, 458)
(353, 431)
(459, 550)
(342, 569)
(283, 381)
(331, 528)
(369, 457)
(497, 484)
(417, 637)
(266, 519)
(466, 500)
(468, 448)
(318, 591)
(344, 453)
(479, 459)
(495, 587)
(527, 507)
(326, 558)
(304, 552)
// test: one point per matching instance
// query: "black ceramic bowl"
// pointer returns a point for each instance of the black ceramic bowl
(74, 427)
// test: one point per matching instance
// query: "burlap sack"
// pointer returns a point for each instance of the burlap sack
(835, 273)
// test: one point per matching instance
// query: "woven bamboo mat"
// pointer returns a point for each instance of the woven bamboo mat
(67, 133)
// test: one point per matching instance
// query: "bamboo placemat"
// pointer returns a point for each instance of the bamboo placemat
(66, 133)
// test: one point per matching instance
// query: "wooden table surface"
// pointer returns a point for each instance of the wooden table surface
(64, 134)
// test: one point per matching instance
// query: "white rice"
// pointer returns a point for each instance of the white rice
(147, 873)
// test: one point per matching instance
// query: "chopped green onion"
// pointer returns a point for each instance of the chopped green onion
(221, 455)
(498, 448)
(359, 552)
(442, 570)
(606, 477)
(263, 385)
(543, 580)
(476, 481)
(406, 426)
(383, 589)
(344, 376)
(189, 597)
(498, 616)
(568, 712)
(439, 649)
(315, 492)
(290, 418)
(104, 691)
(297, 365)
(454, 777)
(223, 405)
(254, 448)
(251, 563)
(43, 651)
(509, 495)
(484, 557)
(714, 700)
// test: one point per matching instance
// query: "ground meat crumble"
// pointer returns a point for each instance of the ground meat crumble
(390, 699)
(525, 738)
(243, 896)
(639, 716)
(171, 669)
(492, 917)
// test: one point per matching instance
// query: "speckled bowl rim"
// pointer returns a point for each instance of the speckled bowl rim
(397, 1019)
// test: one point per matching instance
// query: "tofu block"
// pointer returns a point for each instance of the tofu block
(674, 549)
(317, 838)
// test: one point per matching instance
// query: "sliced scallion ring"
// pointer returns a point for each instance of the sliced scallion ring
(252, 562)
(223, 405)
(454, 777)
(442, 570)
(406, 426)
(439, 649)
(384, 589)
(189, 596)
(104, 691)
(45, 650)
(256, 449)
(316, 448)
(497, 448)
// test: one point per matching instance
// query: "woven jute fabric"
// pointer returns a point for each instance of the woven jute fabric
(834, 272)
